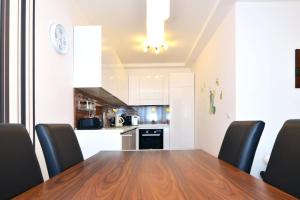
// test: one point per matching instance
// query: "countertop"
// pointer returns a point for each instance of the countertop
(152, 126)
(119, 130)
(123, 129)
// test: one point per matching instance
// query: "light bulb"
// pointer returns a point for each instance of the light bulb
(146, 48)
(156, 50)
(165, 46)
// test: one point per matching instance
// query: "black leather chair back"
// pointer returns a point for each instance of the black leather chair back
(19, 167)
(240, 143)
(60, 146)
(283, 170)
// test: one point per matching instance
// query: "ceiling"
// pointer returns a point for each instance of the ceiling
(124, 28)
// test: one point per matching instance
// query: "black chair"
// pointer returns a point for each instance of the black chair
(283, 170)
(19, 167)
(60, 146)
(240, 143)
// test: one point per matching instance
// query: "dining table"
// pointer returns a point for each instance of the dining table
(165, 174)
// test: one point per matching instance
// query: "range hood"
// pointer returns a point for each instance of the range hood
(103, 96)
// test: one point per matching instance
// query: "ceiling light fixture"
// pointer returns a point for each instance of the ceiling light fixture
(158, 11)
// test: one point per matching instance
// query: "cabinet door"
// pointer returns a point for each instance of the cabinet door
(149, 89)
(126, 142)
(92, 141)
(109, 79)
(166, 90)
(133, 140)
(129, 140)
(114, 75)
(134, 90)
(122, 90)
(182, 111)
(87, 56)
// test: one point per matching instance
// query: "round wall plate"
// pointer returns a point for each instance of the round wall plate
(59, 38)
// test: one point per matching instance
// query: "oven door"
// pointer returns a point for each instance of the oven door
(151, 139)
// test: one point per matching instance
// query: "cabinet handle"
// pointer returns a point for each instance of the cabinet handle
(127, 135)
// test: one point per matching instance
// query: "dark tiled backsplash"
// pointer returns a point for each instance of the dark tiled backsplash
(153, 114)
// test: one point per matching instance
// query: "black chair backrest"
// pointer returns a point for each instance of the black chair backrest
(60, 146)
(19, 167)
(283, 170)
(240, 143)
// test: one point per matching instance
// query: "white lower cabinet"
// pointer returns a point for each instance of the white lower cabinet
(93, 141)
(181, 110)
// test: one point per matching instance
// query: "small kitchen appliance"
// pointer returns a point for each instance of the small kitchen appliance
(119, 121)
(151, 138)
(134, 120)
(90, 123)
(130, 120)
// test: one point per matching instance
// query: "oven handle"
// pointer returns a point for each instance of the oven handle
(150, 135)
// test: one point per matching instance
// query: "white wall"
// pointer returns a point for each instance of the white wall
(54, 72)
(267, 35)
(253, 55)
(217, 61)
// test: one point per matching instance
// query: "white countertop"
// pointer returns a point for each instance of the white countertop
(119, 130)
(154, 126)
(123, 129)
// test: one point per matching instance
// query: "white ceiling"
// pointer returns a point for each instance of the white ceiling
(123, 24)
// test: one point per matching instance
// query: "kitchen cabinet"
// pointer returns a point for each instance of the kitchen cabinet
(148, 89)
(106, 139)
(129, 140)
(95, 67)
(114, 75)
(182, 110)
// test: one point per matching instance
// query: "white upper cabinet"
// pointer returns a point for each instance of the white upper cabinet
(96, 67)
(134, 90)
(87, 56)
(114, 75)
(151, 89)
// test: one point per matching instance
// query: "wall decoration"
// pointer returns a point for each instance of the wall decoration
(214, 95)
(297, 68)
(203, 87)
(212, 107)
(221, 95)
(217, 82)
(59, 38)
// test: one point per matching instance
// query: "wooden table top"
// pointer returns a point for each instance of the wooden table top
(154, 175)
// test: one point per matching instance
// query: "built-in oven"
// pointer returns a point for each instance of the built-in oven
(151, 138)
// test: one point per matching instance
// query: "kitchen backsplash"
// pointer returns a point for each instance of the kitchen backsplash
(87, 106)
(153, 114)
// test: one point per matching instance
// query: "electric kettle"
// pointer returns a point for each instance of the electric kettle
(119, 121)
